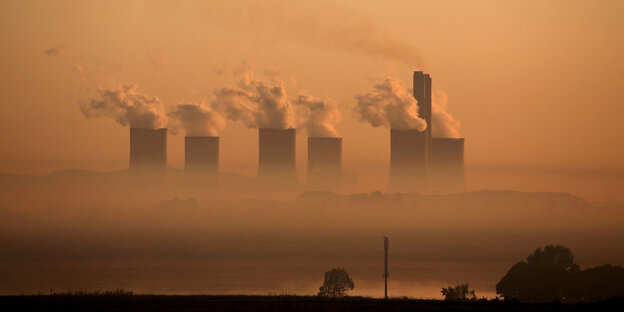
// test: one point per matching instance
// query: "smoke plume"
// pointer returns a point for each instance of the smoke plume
(197, 119)
(444, 125)
(256, 103)
(127, 107)
(330, 28)
(390, 105)
(318, 117)
(55, 51)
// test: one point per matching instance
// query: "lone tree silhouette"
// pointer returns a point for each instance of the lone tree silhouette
(458, 293)
(544, 277)
(337, 283)
(550, 274)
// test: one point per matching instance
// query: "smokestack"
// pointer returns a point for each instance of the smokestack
(148, 148)
(447, 164)
(201, 154)
(408, 160)
(422, 93)
(324, 163)
(276, 155)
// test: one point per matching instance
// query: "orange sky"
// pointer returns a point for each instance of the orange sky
(534, 84)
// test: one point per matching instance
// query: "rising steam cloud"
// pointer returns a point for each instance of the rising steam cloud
(390, 105)
(197, 119)
(329, 28)
(256, 103)
(318, 117)
(444, 125)
(127, 107)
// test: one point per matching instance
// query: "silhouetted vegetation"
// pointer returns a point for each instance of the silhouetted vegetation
(116, 292)
(274, 303)
(550, 275)
(337, 283)
(459, 293)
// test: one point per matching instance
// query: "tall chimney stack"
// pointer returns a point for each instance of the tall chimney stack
(408, 160)
(324, 163)
(201, 154)
(422, 94)
(148, 148)
(276, 155)
(447, 164)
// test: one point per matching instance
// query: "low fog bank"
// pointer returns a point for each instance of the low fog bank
(190, 245)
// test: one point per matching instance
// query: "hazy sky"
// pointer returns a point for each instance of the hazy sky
(533, 83)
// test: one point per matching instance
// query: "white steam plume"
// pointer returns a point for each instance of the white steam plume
(318, 26)
(444, 125)
(127, 107)
(255, 103)
(390, 105)
(318, 117)
(197, 119)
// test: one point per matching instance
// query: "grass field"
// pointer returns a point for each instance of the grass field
(128, 302)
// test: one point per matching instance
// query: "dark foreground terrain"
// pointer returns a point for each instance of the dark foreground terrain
(273, 303)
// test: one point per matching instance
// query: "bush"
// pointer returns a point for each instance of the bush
(337, 283)
(459, 293)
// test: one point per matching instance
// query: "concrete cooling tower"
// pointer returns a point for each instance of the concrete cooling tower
(201, 154)
(408, 160)
(324, 163)
(148, 149)
(276, 156)
(447, 164)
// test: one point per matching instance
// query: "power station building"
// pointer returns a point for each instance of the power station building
(422, 94)
(324, 163)
(276, 156)
(201, 154)
(148, 149)
(447, 164)
(419, 162)
(409, 154)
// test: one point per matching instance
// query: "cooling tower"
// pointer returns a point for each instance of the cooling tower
(324, 163)
(276, 155)
(201, 154)
(422, 93)
(408, 160)
(148, 148)
(447, 164)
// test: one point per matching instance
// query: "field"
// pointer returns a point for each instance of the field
(271, 303)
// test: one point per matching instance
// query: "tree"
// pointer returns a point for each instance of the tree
(598, 283)
(337, 283)
(543, 278)
(458, 293)
(557, 255)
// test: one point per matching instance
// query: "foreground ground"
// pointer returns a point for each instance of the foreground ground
(271, 303)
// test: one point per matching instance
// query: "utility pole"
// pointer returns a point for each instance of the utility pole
(385, 267)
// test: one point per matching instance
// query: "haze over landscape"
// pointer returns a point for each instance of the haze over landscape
(534, 90)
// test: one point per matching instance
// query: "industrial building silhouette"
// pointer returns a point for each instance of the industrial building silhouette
(201, 154)
(324, 163)
(418, 162)
(148, 149)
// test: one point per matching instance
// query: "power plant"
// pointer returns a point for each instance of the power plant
(148, 149)
(201, 154)
(447, 164)
(418, 162)
(422, 94)
(276, 156)
(409, 154)
(324, 163)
